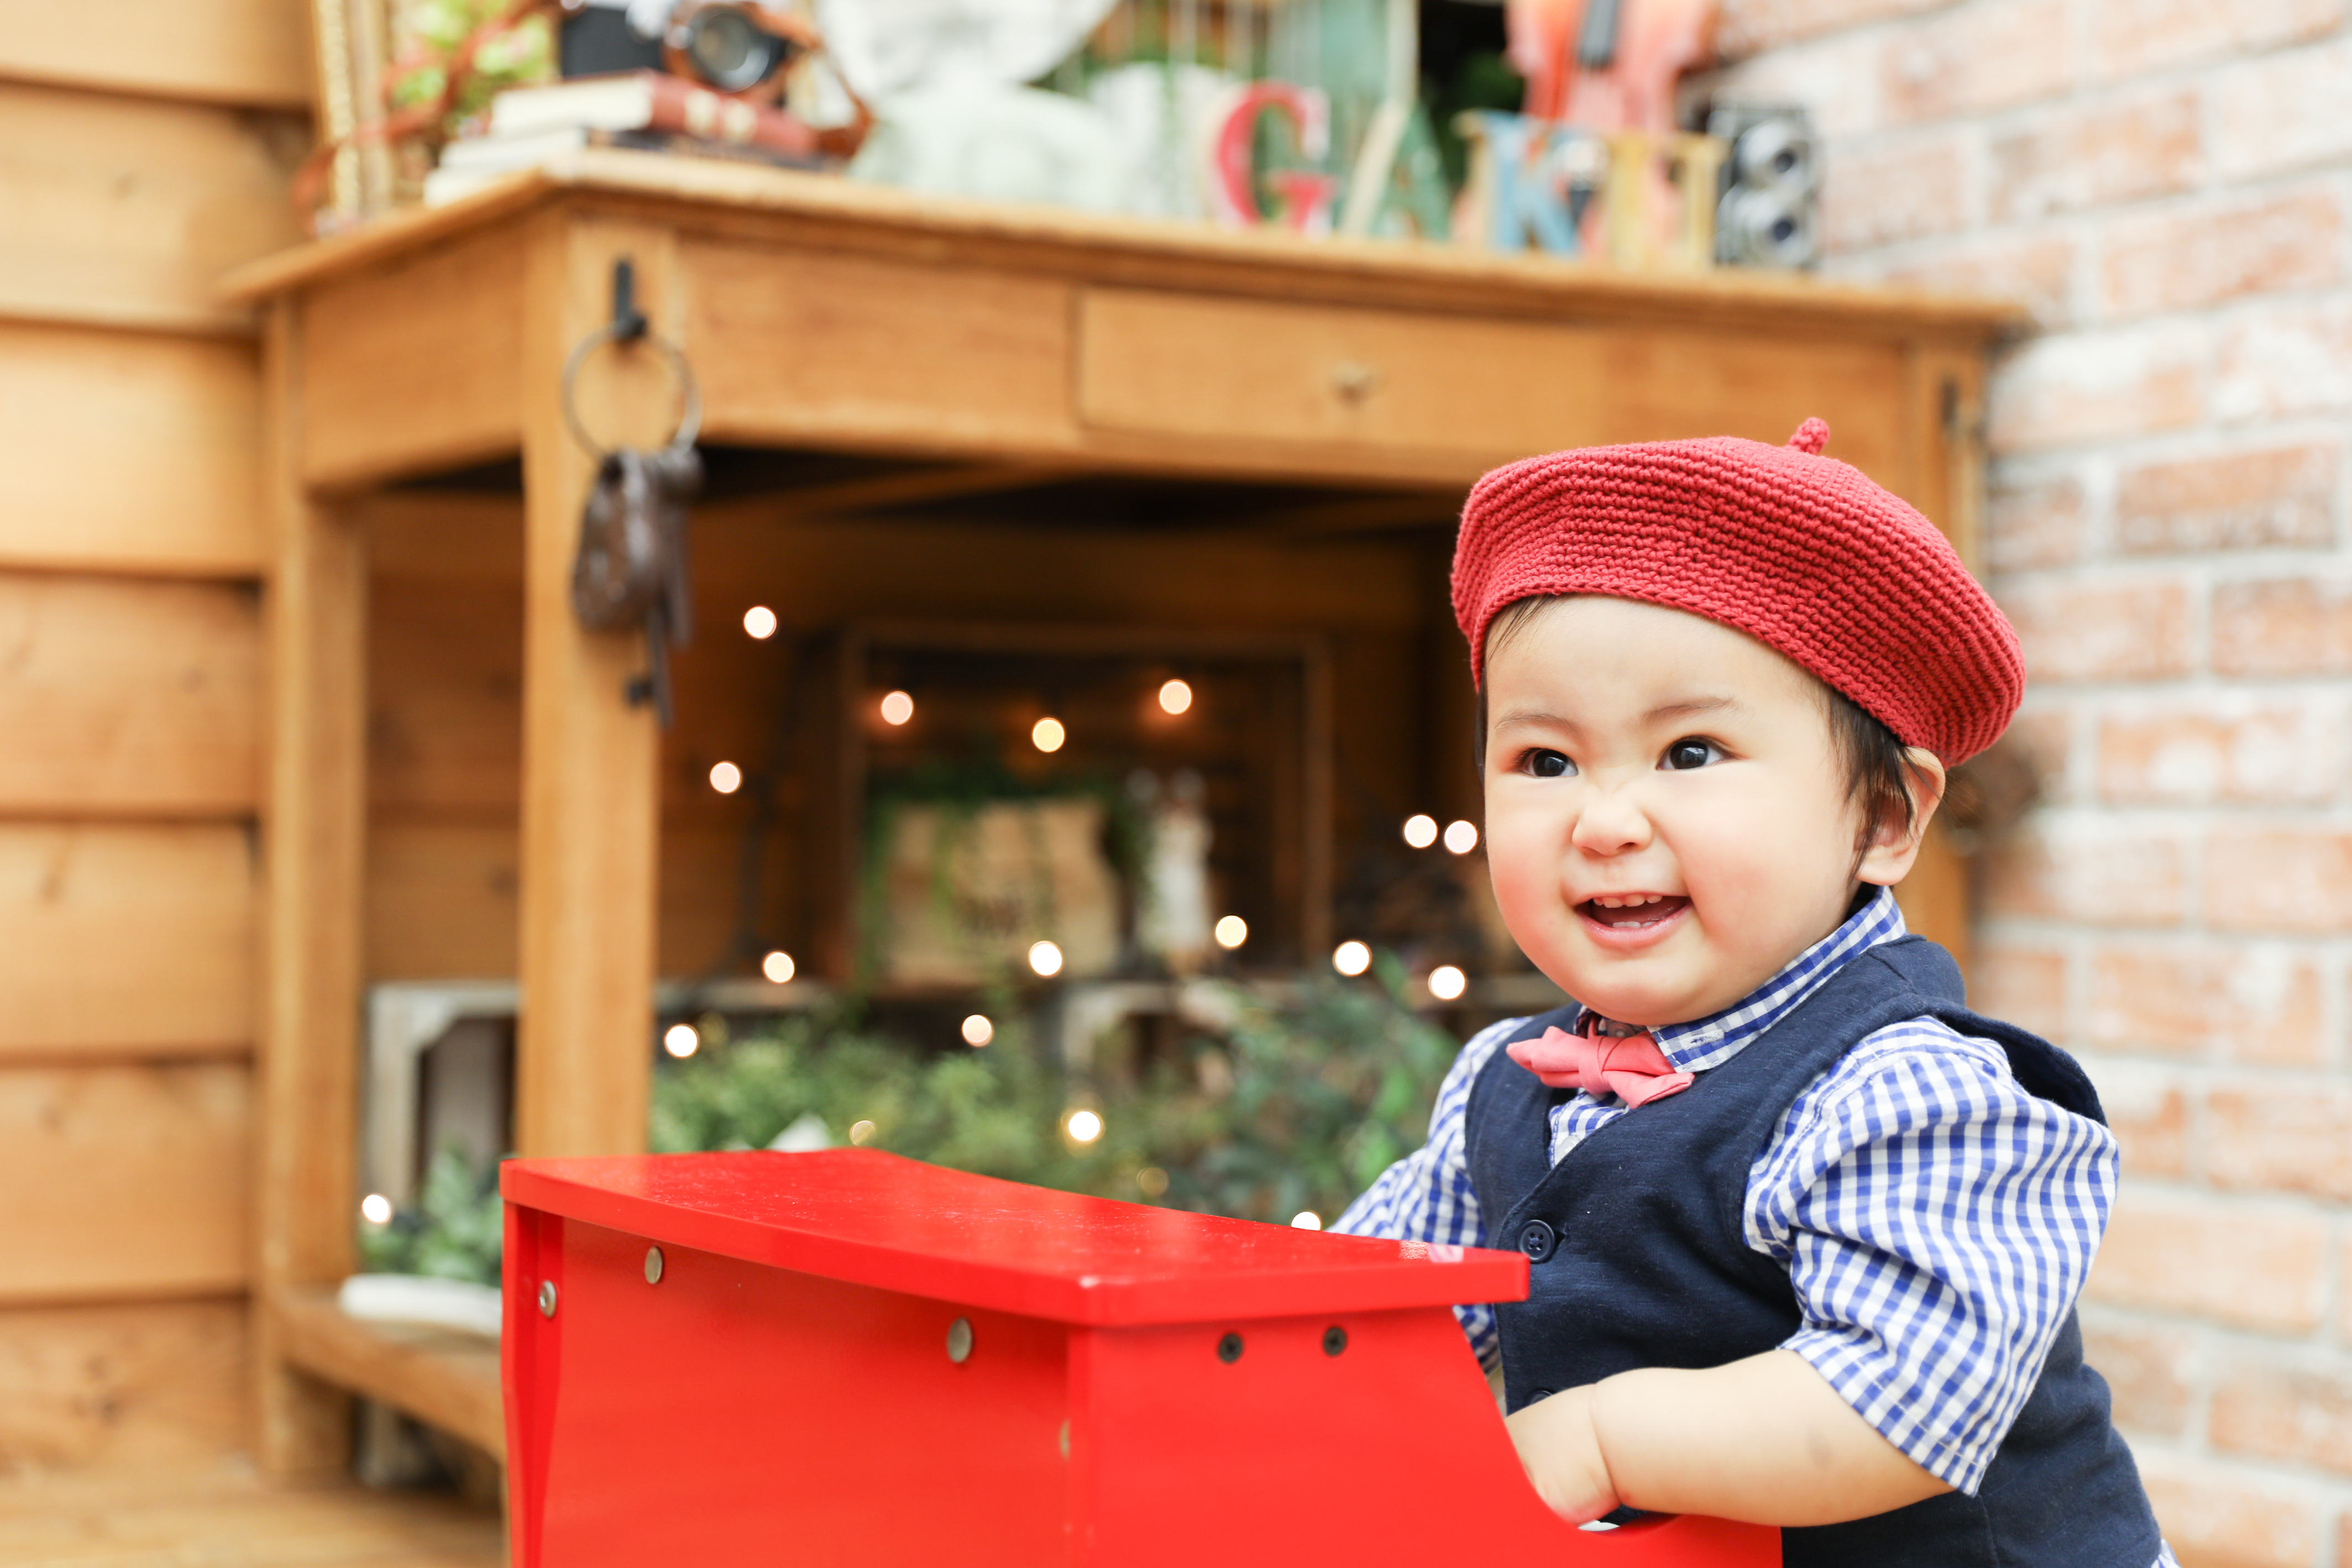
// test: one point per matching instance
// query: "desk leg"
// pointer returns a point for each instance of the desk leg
(313, 830)
(590, 789)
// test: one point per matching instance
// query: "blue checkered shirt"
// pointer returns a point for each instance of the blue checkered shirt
(1937, 1219)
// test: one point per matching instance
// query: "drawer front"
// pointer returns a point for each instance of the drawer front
(1481, 389)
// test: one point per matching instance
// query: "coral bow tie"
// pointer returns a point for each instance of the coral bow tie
(1631, 1067)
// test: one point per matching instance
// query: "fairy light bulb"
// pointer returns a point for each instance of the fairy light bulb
(1047, 734)
(1175, 696)
(1447, 983)
(726, 777)
(1351, 958)
(1420, 831)
(898, 707)
(760, 623)
(779, 968)
(1461, 838)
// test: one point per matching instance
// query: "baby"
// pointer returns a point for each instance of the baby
(1806, 1233)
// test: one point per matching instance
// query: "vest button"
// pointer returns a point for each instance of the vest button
(1537, 1240)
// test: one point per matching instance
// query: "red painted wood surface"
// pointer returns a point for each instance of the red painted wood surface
(784, 1393)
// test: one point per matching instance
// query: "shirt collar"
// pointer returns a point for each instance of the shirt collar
(1711, 1041)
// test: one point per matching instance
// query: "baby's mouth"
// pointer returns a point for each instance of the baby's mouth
(1633, 911)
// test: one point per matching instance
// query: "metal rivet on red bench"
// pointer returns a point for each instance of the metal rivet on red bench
(547, 1297)
(653, 1265)
(1335, 1340)
(959, 1341)
(1229, 1349)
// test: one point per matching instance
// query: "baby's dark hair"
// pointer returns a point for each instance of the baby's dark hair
(1878, 772)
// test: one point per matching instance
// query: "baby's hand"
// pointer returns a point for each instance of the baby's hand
(1562, 1454)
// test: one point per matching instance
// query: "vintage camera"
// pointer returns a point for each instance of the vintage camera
(1767, 214)
(740, 47)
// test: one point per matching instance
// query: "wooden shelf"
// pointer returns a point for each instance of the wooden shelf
(442, 1377)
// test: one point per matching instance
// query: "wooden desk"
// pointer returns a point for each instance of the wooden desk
(959, 350)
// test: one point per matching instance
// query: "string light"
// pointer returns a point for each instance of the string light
(376, 1208)
(1420, 831)
(859, 1131)
(1085, 1126)
(1306, 1219)
(760, 621)
(1461, 837)
(778, 967)
(1175, 696)
(1351, 958)
(898, 707)
(1447, 983)
(726, 777)
(1045, 959)
(1047, 734)
(1230, 932)
(1152, 1180)
(977, 1030)
(680, 1041)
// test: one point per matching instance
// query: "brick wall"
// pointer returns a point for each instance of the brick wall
(2168, 184)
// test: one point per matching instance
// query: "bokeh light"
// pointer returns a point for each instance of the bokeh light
(376, 1208)
(859, 1131)
(1175, 696)
(1351, 958)
(726, 777)
(1306, 1219)
(1230, 932)
(760, 621)
(778, 967)
(1085, 1126)
(898, 707)
(1047, 734)
(1447, 983)
(1420, 831)
(1152, 1181)
(680, 1041)
(1045, 959)
(978, 1030)
(1461, 837)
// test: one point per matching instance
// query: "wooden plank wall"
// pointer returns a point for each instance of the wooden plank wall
(137, 161)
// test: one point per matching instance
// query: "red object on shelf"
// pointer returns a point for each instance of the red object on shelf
(851, 1357)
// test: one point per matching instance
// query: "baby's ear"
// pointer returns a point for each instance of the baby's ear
(1894, 842)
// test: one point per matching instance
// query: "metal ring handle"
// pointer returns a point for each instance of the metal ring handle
(689, 419)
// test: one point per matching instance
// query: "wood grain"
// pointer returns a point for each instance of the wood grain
(215, 51)
(125, 451)
(126, 939)
(416, 365)
(446, 1379)
(442, 900)
(146, 696)
(182, 1515)
(159, 1196)
(148, 1384)
(127, 210)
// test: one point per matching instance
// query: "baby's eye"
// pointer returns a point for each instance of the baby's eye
(1689, 753)
(1546, 764)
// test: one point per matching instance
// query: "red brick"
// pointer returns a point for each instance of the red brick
(2287, 361)
(2080, 387)
(2082, 868)
(2036, 271)
(2088, 156)
(1751, 27)
(2280, 1136)
(2229, 1264)
(2279, 879)
(2148, 1109)
(1883, 192)
(2176, 259)
(2216, 1516)
(2287, 749)
(2284, 111)
(2291, 626)
(2149, 1370)
(2102, 632)
(2024, 985)
(2277, 1411)
(2239, 500)
(1974, 57)
(2130, 36)
(2226, 1003)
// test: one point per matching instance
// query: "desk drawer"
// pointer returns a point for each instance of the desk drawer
(1478, 389)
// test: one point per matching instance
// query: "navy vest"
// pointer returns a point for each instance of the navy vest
(2062, 1492)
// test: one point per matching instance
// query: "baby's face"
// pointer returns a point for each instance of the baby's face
(1667, 821)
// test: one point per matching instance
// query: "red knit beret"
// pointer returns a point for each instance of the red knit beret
(1799, 551)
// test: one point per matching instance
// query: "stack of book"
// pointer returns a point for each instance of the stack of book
(646, 110)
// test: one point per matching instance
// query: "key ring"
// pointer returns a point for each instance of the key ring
(625, 329)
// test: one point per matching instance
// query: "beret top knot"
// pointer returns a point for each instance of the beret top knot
(1802, 552)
